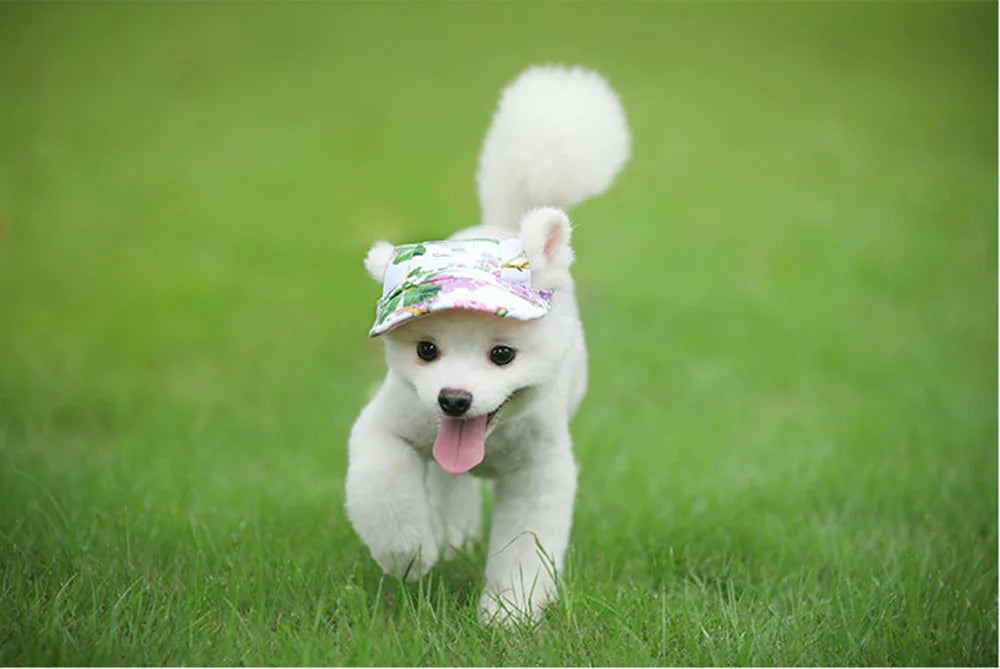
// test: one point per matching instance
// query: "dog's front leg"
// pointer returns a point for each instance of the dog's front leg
(532, 514)
(457, 501)
(387, 501)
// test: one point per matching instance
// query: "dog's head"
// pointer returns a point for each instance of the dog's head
(465, 366)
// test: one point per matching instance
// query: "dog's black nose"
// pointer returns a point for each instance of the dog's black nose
(454, 402)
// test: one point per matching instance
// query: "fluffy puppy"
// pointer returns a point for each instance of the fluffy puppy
(472, 392)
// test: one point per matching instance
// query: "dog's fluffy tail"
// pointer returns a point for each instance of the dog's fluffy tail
(558, 137)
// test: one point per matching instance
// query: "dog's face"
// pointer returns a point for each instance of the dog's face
(466, 368)
(468, 364)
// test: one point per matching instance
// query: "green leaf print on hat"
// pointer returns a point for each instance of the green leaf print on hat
(410, 293)
(407, 251)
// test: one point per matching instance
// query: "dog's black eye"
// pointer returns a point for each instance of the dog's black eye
(502, 355)
(427, 351)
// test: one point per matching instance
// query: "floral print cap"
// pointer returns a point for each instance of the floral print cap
(487, 275)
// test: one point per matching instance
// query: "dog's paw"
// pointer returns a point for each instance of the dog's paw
(409, 560)
(510, 607)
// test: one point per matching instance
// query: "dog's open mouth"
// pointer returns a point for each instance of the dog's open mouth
(461, 442)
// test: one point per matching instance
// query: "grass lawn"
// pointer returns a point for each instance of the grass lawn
(789, 448)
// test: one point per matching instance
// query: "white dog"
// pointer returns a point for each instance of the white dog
(486, 356)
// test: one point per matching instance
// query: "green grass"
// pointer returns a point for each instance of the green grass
(789, 448)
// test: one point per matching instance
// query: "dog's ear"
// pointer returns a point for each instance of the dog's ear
(545, 234)
(378, 258)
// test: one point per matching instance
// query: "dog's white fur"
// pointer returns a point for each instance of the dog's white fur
(558, 137)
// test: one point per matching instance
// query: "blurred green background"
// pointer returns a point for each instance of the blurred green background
(789, 448)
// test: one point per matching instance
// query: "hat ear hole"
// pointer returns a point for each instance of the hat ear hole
(378, 258)
(553, 240)
(545, 234)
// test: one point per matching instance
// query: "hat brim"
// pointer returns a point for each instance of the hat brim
(480, 292)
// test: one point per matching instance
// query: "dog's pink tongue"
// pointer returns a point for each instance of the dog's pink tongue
(461, 443)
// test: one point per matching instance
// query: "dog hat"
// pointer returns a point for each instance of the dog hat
(487, 275)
